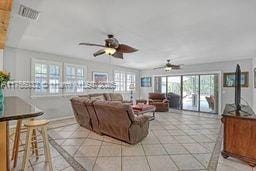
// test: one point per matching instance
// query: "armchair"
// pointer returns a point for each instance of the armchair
(160, 101)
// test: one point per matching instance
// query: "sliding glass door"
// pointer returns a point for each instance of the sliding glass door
(174, 91)
(209, 93)
(198, 92)
(190, 92)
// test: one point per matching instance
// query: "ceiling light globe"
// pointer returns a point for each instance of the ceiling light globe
(167, 69)
(110, 51)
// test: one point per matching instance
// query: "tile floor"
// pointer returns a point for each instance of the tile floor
(176, 141)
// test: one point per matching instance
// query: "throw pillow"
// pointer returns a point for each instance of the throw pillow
(100, 97)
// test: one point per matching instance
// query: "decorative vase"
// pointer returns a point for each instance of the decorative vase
(1, 102)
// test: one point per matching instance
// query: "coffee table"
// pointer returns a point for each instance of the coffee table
(140, 109)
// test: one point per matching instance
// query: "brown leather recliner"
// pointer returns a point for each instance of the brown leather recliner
(160, 101)
(118, 120)
(81, 113)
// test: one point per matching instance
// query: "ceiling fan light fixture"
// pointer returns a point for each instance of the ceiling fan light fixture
(168, 69)
(110, 51)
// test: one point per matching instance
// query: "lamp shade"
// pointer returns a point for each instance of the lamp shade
(131, 86)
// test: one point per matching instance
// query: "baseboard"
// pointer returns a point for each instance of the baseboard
(62, 118)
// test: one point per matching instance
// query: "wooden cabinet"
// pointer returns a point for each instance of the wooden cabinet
(239, 139)
(5, 10)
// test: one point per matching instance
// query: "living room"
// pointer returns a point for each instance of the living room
(118, 89)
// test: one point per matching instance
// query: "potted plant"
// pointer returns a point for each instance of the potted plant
(4, 78)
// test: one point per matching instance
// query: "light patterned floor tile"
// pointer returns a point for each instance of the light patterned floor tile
(108, 164)
(175, 149)
(110, 150)
(87, 151)
(154, 149)
(186, 162)
(135, 164)
(158, 163)
(135, 150)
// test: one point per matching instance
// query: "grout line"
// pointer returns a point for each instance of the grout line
(146, 156)
(97, 156)
(216, 152)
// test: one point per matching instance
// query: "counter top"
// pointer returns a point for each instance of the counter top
(15, 108)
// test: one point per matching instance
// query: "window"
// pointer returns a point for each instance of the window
(123, 80)
(75, 78)
(119, 80)
(48, 76)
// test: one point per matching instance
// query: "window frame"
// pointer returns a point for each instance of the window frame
(125, 82)
(33, 77)
(65, 77)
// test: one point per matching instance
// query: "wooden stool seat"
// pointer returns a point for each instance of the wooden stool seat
(36, 123)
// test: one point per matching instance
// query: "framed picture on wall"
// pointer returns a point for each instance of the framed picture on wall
(100, 77)
(254, 76)
(229, 79)
(146, 82)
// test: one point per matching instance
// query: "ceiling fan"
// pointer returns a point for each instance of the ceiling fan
(168, 66)
(112, 47)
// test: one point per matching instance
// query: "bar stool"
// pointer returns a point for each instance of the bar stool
(31, 126)
(17, 142)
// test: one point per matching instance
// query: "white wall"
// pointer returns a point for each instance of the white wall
(227, 94)
(18, 63)
(1, 59)
(254, 89)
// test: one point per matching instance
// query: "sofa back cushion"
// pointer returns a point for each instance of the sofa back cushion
(156, 96)
(98, 96)
(85, 96)
(107, 96)
(116, 97)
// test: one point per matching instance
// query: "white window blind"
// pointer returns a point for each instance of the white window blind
(75, 76)
(47, 75)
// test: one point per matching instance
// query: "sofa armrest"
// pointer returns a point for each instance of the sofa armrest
(150, 101)
(165, 101)
(141, 119)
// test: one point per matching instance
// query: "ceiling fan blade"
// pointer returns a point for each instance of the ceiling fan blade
(99, 52)
(91, 44)
(118, 55)
(126, 49)
(176, 67)
(160, 67)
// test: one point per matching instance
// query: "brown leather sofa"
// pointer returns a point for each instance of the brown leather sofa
(160, 101)
(111, 118)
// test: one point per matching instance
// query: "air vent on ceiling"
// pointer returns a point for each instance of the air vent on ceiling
(28, 12)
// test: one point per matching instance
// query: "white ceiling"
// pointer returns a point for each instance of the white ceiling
(188, 31)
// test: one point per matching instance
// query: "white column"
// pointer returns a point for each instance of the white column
(1, 59)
